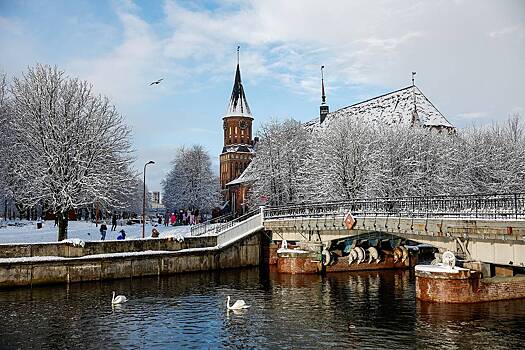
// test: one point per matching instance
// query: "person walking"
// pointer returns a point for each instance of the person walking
(103, 229)
(173, 219)
(166, 219)
(114, 222)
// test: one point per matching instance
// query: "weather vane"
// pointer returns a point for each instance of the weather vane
(238, 48)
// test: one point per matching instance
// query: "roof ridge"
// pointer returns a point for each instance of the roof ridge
(376, 97)
(426, 98)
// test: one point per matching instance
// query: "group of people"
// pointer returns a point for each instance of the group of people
(103, 229)
(182, 217)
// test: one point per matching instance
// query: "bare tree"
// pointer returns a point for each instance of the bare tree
(72, 147)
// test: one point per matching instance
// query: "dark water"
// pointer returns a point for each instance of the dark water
(365, 310)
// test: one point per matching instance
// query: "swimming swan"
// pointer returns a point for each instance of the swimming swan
(118, 299)
(239, 304)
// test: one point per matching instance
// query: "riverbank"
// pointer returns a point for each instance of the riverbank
(24, 231)
(75, 260)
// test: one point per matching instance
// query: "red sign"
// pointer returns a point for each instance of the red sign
(349, 221)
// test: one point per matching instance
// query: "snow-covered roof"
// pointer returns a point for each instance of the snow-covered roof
(238, 106)
(238, 148)
(246, 176)
(390, 109)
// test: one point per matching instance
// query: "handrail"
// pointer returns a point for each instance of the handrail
(202, 228)
(483, 206)
(216, 228)
(240, 228)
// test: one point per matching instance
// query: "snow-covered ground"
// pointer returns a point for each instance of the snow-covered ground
(26, 231)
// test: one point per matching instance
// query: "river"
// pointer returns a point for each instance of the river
(359, 310)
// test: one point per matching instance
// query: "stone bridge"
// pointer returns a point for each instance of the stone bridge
(487, 228)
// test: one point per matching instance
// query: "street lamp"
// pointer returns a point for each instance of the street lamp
(144, 199)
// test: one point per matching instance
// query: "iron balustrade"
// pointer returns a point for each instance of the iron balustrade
(482, 206)
(203, 227)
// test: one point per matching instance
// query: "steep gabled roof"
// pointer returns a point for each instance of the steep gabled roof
(247, 176)
(390, 109)
(238, 106)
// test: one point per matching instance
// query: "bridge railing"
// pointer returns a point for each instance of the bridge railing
(208, 225)
(487, 206)
(240, 228)
(215, 228)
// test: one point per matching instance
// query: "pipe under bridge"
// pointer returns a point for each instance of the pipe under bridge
(487, 228)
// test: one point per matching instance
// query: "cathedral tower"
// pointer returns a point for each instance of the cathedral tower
(237, 151)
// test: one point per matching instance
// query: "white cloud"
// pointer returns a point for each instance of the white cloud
(469, 55)
(124, 73)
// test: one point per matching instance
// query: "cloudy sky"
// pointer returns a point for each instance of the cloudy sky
(469, 57)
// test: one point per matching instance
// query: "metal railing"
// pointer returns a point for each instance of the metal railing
(202, 228)
(215, 228)
(240, 228)
(482, 206)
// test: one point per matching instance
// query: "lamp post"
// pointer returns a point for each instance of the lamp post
(144, 199)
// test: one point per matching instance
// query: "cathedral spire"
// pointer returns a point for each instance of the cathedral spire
(238, 105)
(323, 109)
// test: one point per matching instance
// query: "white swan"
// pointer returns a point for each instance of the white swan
(239, 304)
(118, 299)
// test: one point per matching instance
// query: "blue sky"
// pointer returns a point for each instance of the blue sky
(469, 57)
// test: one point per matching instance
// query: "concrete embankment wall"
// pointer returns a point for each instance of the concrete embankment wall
(68, 250)
(244, 252)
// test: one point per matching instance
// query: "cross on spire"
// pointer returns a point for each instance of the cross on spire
(413, 75)
(238, 105)
(323, 96)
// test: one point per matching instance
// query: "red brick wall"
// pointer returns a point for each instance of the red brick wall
(296, 265)
(467, 288)
(387, 263)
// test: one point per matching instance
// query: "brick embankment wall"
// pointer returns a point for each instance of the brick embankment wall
(272, 254)
(298, 263)
(467, 286)
(245, 252)
(341, 264)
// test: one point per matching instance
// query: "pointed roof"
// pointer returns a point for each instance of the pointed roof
(238, 106)
(393, 108)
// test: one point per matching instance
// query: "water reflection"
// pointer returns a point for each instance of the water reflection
(473, 325)
(366, 310)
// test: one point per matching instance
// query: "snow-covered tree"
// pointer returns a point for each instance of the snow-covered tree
(72, 147)
(6, 150)
(344, 160)
(279, 162)
(191, 183)
(350, 159)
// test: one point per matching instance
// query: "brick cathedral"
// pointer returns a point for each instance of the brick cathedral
(238, 149)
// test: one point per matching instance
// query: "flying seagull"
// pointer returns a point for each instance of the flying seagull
(157, 81)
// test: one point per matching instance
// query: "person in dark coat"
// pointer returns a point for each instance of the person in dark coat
(154, 233)
(114, 222)
(103, 229)
(166, 219)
